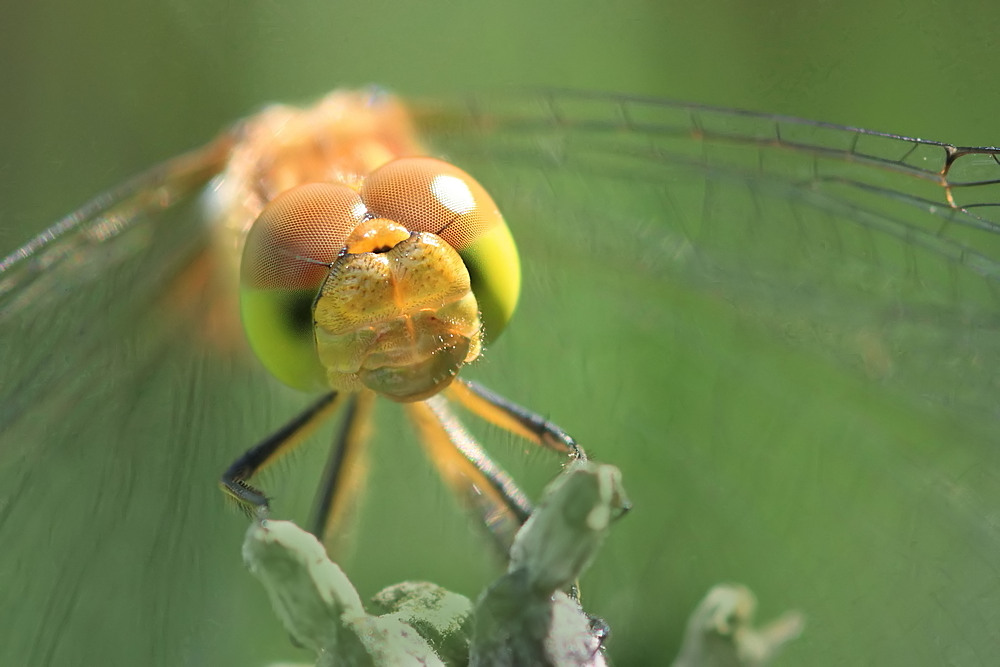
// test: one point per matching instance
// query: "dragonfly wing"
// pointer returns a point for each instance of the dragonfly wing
(108, 417)
(96, 269)
(883, 242)
(784, 333)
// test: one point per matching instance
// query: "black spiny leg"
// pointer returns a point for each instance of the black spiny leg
(235, 481)
(481, 484)
(516, 419)
(345, 472)
(512, 417)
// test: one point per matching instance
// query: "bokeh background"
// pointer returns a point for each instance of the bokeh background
(94, 92)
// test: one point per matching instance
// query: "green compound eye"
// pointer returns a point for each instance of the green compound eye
(285, 261)
(429, 195)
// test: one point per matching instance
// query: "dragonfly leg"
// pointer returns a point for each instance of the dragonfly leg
(477, 480)
(344, 474)
(235, 481)
(517, 419)
(512, 417)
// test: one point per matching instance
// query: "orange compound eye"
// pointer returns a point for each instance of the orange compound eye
(285, 261)
(298, 235)
(428, 195)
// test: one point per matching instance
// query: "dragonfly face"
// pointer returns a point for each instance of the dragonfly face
(408, 348)
(381, 320)
(783, 332)
(383, 275)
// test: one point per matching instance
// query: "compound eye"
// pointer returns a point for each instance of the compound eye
(286, 258)
(429, 195)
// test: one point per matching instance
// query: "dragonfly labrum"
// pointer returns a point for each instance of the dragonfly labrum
(703, 289)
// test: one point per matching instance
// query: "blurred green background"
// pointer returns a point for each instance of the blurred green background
(795, 480)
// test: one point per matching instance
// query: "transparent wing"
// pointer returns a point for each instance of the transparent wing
(781, 331)
(78, 268)
(110, 387)
(861, 237)
(785, 333)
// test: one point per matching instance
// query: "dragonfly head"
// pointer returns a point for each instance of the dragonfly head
(394, 286)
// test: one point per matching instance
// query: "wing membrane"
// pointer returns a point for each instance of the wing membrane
(849, 233)
(111, 408)
(784, 332)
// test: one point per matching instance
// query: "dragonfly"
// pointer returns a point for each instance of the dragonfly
(704, 287)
